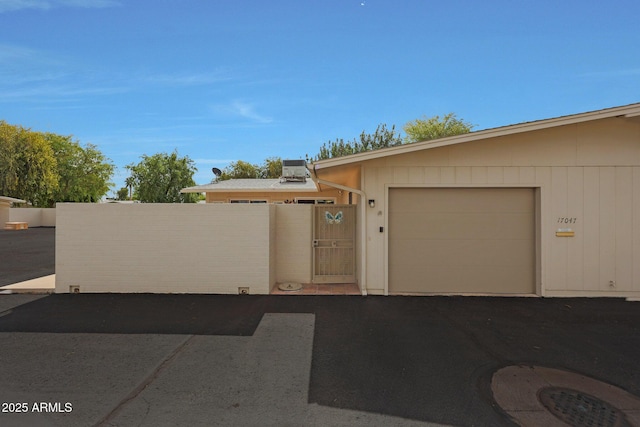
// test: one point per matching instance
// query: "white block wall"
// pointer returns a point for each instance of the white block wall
(35, 217)
(165, 248)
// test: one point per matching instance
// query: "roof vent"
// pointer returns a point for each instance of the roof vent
(294, 171)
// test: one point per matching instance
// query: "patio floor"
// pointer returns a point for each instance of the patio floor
(321, 289)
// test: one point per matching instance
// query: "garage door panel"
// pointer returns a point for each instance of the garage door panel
(461, 253)
(461, 240)
(465, 200)
(461, 225)
(469, 280)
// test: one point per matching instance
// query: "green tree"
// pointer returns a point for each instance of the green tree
(27, 165)
(435, 127)
(83, 172)
(241, 169)
(271, 168)
(159, 178)
(381, 138)
(122, 194)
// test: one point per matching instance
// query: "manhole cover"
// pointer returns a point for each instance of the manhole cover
(580, 409)
(290, 286)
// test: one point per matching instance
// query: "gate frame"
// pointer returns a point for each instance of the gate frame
(350, 243)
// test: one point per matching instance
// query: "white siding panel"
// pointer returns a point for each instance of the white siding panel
(575, 245)
(607, 255)
(624, 229)
(432, 175)
(559, 246)
(495, 175)
(416, 175)
(479, 175)
(447, 175)
(636, 228)
(591, 229)
(511, 175)
(401, 174)
(463, 175)
(527, 175)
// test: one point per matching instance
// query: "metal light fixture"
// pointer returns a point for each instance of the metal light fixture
(372, 203)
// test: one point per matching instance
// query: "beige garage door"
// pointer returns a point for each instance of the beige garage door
(461, 240)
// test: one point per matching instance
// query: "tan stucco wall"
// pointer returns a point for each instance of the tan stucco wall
(165, 248)
(293, 243)
(4, 213)
(588, 173)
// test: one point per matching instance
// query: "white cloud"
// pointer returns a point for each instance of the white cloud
(59, 93)
(11, 5)
(242, 109)
(34, 74)
(190, 79)
(212, 161)
(90, 4)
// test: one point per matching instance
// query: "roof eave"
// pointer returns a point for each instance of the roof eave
(199, 189)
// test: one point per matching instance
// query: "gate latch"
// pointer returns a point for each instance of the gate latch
(315, 243)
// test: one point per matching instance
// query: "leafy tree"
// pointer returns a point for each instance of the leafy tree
(240, 169)
(381, 138)
(159, 178)
(272, 168)
(122, 194)
(45, 168)
(27, 165)
(83, 172)
(435, 127)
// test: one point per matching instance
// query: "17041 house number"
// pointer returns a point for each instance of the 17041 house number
(567, 220)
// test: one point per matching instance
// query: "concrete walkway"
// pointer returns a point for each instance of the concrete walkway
(41, 285)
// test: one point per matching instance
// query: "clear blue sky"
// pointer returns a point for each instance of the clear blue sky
(222, 80)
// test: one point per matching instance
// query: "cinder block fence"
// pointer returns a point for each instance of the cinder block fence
(176, 248)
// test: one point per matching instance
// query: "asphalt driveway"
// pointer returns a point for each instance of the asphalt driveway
(26, 254)
(304, 360)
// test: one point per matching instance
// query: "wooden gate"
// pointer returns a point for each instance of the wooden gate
(333, 243)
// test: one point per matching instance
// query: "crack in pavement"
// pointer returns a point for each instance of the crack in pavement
(145, 383)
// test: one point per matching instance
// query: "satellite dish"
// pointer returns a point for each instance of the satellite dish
(217, 172)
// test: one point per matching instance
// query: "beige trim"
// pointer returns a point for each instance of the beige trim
(254, 190)
(631, 110)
